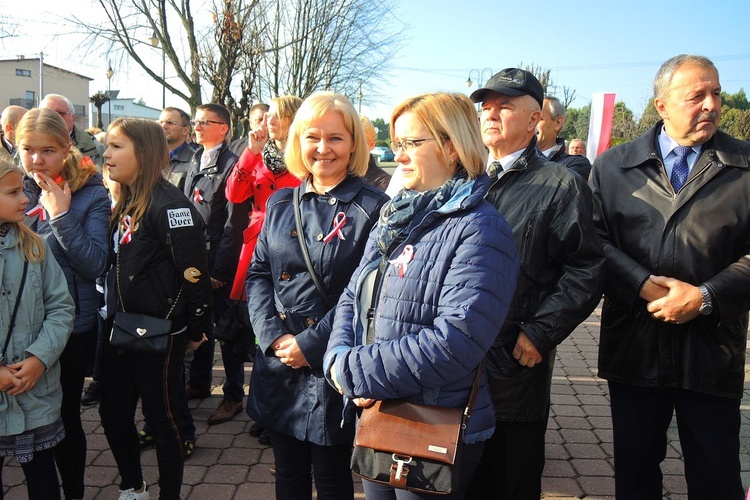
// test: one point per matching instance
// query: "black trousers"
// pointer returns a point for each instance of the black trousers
(298, 461)
(70, 454)
(512, 463)
(157, 379)
(41, 477)
(709, 429)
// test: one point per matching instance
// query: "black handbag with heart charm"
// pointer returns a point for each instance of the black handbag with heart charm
(137, 332)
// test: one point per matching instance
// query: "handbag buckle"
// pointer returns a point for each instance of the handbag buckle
(400, 470)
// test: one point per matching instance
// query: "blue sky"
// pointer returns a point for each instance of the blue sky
(590, 46)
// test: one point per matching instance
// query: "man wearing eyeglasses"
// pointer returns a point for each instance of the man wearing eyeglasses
(85, 142)
(549, 209)
(176, 125)
(224, 222)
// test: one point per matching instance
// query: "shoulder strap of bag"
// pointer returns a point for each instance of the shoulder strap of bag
(119, 293)
(474, 391)
(371, 337)
(305, 253)
(15, 310)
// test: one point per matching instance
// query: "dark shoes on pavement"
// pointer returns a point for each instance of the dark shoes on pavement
(91, 394)
(147, 441)
(259, 432)
(226, 411)
(194, 393)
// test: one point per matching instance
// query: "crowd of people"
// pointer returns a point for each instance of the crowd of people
(449, 284)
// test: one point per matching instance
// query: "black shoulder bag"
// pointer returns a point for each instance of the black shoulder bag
(15, 312)
(137, 332)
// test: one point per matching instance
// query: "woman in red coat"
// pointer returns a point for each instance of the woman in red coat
(259, 172)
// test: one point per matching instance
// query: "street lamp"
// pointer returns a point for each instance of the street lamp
(109, 73)
(481, 78)
(359, 96)
(155, 43)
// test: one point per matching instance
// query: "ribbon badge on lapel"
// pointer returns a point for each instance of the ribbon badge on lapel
(128, 233)
(402, 261)
(197, 196)
(338, 223)
(38, 210)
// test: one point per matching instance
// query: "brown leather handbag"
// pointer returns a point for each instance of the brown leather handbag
(412, 446)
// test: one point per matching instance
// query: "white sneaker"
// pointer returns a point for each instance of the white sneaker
(131, 494)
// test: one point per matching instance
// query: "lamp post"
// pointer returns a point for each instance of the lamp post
(359, 96)
(109, 73)
(155, 43)
(481, 78)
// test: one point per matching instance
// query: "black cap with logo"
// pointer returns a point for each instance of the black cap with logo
(512, 82)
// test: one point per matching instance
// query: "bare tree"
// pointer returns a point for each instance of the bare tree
(8, 27)
(548, 84)
(326, 44)
(130, 27)
(253, 48)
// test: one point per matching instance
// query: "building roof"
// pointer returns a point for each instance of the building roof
(19, 59)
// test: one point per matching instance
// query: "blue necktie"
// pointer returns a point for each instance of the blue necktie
(680, 169)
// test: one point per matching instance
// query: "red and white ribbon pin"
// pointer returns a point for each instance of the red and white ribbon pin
(338, 223)
(197, 196)
(38, 210)
(126, 235)
(401, 262)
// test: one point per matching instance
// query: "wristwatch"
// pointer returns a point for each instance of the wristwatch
(707, 307)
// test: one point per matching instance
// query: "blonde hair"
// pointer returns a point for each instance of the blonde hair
(76, 171)
(31, 243)
(314, 107)
(369, 129)
(449, 117)
(152, 155)
(287, 106)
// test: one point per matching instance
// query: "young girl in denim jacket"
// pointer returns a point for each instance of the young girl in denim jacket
(30, 396)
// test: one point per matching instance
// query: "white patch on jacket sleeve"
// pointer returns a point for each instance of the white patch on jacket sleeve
(179, 217)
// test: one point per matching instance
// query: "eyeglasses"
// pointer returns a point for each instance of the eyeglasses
(171, 124)
(408, 144)
(204, 123)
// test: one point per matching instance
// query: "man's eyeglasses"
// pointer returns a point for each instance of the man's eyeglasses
(408, 144)
(204, 123)
(171, 124)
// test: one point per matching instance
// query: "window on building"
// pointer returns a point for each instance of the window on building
(23, 72)
(119, 108)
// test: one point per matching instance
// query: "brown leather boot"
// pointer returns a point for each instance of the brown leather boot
(224, 412)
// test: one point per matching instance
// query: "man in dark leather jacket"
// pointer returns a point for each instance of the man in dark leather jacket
(673, 213)
(550, 124)
(549, 209)
(224, 221)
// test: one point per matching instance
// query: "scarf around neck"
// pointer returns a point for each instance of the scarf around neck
(408, 208)
(273, 158)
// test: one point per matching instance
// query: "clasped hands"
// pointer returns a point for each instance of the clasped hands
(671, 300)
(286, 349)
(20, 377)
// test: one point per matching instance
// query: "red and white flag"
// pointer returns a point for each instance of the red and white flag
(600, 123)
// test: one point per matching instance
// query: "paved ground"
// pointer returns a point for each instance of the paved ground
(229, 464)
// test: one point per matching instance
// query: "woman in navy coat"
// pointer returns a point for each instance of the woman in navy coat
(449, 267)
(291, 318)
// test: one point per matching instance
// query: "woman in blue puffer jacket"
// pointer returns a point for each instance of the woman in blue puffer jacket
(449, 270)
(69, 208)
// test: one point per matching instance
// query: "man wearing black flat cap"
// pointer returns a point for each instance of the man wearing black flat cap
(562, 264)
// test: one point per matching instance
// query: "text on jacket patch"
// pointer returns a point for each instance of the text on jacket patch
(179, 217)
